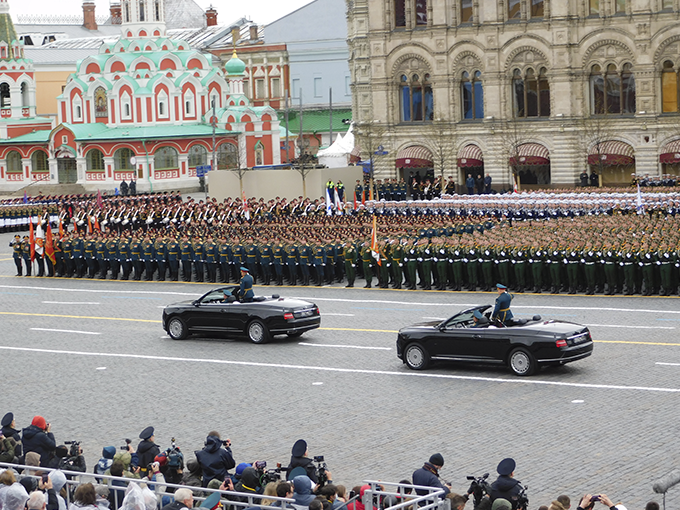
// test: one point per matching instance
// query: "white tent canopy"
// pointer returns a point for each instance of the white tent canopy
(337, 155)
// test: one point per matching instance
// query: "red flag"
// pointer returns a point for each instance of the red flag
(61, 229)
(355, 201)
(363, 196)
(31, 240)
(96, 225)
(375, 251)
(89, 225)
(49, 245)
(246, 212)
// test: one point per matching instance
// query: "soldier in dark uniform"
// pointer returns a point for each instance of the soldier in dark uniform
(161, 258)
(17, 253)
(186, 256)
(148, 257)
(349, 255)
(292, 262)
(252, 255)
(136, 256)
(224, 251)
(67, 250)
(278, 259)
(90, 255)
(173, 251)
(112, 255)
(211, 257)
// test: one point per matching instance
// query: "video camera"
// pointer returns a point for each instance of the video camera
(522, 498)
(479, 488)
(127, 443)
(74, 450)
(321, 468)
(268, 475)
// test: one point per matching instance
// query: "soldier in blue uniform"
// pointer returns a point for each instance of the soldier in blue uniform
(245, 291)
(502, 310)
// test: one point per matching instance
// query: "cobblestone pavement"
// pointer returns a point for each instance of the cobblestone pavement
(604, 424)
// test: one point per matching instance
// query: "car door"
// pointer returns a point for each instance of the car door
(453, 342)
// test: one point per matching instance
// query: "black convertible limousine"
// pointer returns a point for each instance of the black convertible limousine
(524, 347)
(218, 311)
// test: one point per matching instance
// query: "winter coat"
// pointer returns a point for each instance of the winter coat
(427, 476)
(215, 461)
(37, 440)
(175, 505)
(16, 435)
(505, 487)
(302, 490)
(307, 464)
(147, 451)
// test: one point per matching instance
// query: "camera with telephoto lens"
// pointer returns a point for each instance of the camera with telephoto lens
(321, 475)
(267, 475)
(127, 443)
(522, 498)
(74, 450)
(479, 488)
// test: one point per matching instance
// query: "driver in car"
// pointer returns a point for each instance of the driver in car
(480, 320)
(502, 309)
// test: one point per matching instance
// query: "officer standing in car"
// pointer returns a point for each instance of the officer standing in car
(502, 309)
(245, 291)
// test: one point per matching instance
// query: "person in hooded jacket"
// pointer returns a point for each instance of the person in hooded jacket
(505, 486)
(428, 475)
(147, 449)
(249, 483)
(303, 490)
(38, 438)
(9, 431)
(107, 459)
(58, 480)
(215, 461)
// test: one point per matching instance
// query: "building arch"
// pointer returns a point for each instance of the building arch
(121, 159)
(612, 49)
(412, 60)
(467, 60)
(539, 50)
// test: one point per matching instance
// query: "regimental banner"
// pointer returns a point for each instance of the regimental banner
(15, 176)
(166, 174)
(95, 176)
(120, 176)
(42, 176)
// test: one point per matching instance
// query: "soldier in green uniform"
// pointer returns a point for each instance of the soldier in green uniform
(488, 257)
(611, 261)
(536, 256)
(238, 258)
(148, 257)
(17, 253)
(292, 260)
(366, 261)
(411, 256)
(186, 256)
(211, 256)
(224, 250)
(425, 261)
(397, 256)
(555, 259)
(349, 255)
(305, 257)
(161, 253)
(136, 256)
(197, 252)
(77, 252)
(67, 250)
(441, 260)
(573, 257)
(112, 255)
(647, 262)
(124, 256)
(252, 255)
(319, 262)
(471, 259)
(173, 250)
(590, 266)
(667, 261)
(90, 255)
(456, 258)
(278, 259)
(266, 256)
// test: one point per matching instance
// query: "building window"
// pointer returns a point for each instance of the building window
(25, 99)
(3, 51)
(141, 11)
(416, 98)
(537, 9)
(39, 161)
(77, 108)
(126, 109)
(276, 87)
(594, 7)
(421, 12)
(157, 10)
(514, 10)
(121, 159)
(95, 160)
(399, 13)
(296, 88)
(466, 11)
(227, 156)
(531, 93)
(5, 101)
(669, 88)
(126, 11)
(318, 92)
(473, 95)
(667, 4)
(259, 89)
(620, 6)
(259, 154)
(189, 104)
(612, 92)
(165, 158)
(13, 162)
(198, 156)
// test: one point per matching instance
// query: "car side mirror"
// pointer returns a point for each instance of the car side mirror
(275, 296)
(536, 318)
(196, 302)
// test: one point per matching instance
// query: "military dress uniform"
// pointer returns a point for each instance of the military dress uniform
(173, 251)
(349, 255)
(186, 256)
(17, 253)
(136, 258)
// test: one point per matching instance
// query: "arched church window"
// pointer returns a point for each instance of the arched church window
(166, 158)
(95, 160)
(612, 92)
(399, 13)
(227, 156)
(5, 101)
(39, 161)
(157, 10)
(25, 98)
(421, 12)
(141, 11)
(198, 156)
(13, 162)
(416, 98)
(259, 153)
(531, 93)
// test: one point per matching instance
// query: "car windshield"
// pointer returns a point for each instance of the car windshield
(215, 296)
(459, 321)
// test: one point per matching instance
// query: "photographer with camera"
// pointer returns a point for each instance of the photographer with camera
(506, 487)
(249, 483)
(147, 450)
(215, 458)
(588, 502)
(71, 458)
(38, 438)
(428, 475)
(299, 459)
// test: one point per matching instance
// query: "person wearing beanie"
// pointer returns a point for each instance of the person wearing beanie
(9, 431)
(505, 486)
(428, 475)
(38, 438)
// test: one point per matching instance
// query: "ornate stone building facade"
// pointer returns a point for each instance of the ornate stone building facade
(528, 90)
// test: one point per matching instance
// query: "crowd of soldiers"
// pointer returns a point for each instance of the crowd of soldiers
(566, 242)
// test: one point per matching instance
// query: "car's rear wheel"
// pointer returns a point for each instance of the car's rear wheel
(258, 332)
(521, 362)
(177, 329)
(295, 334)
(416, 357)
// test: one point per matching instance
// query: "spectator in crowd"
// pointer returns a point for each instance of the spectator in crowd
(249, 482)
(319, 504)
(542, 507)
(652, 505)
(284, 490)
(300, 459)
(561, 503)
(147, 449)
(505, 486)
(116, 496)
(501, 504)
(487, 184)
(58, 481)
(358, 503)
(457, 501)
(303, 489)
(215, 461)
(269, 490)
(470, 184)
(10, 431)
(329, 492)
(102, 492)
(85, 497)
(104, 464)
(6, 480)
(8, 448)
(428, 475)
(38, 438)
(184, 498)
(192, 474)
(36, 501)
(14, 498)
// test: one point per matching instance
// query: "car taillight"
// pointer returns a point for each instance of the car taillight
(561, 343)
(288, 316)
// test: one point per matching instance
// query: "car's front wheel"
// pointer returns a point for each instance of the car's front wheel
(177, 329)
(258, 332)
(521, 362)
(416, 357)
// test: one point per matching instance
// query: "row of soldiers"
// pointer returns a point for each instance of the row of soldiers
(614, 255)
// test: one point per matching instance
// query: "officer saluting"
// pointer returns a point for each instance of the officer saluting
(245, 291)
(502, 309)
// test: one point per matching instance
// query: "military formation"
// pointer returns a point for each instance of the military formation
(541, 242)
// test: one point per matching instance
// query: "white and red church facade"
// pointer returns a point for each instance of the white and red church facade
(142, 107)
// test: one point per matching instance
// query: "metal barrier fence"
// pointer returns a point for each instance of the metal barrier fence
(79, 478)
(433, 500)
